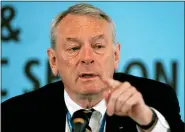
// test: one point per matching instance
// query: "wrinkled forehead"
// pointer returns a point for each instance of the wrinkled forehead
(82, 26)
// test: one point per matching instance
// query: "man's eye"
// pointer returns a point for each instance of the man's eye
(99, 46)
(75, 48)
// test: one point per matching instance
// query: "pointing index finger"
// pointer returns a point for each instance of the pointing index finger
(112, 83)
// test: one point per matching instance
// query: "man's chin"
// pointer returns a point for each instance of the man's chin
(91, 90)
(90, 94)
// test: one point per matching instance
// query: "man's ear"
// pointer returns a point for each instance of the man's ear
(52, 61)
(116, 55)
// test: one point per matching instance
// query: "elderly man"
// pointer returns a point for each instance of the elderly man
(85, 54)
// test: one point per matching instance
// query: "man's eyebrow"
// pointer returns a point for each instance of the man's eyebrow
(74, 40)
(101, 36)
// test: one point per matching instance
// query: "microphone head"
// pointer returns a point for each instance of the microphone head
(79, 121)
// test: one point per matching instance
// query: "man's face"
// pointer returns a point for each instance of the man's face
(84, 53)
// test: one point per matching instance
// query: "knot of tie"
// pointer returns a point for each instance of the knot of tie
(80, 120)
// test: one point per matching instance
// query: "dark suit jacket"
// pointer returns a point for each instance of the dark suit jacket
(45, 110)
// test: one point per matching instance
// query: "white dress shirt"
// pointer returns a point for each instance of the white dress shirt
(161, 125)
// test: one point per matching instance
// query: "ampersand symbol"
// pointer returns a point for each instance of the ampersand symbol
(6, 19)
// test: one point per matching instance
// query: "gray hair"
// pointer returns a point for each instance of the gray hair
(81, 9)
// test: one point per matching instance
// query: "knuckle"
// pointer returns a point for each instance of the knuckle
(117, 82)
(139, 95)
(126, 84)
(133, 89)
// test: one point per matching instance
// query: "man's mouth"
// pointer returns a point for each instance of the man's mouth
(88, 75)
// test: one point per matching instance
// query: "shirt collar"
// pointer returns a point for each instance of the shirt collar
(72, 106)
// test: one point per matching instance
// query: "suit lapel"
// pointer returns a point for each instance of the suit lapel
(58, 108)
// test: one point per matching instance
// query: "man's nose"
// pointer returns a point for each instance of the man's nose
(87, 57)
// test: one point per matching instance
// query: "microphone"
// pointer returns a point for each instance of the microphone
(79, 121)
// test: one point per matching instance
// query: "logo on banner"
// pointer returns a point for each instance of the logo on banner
(8, 32)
